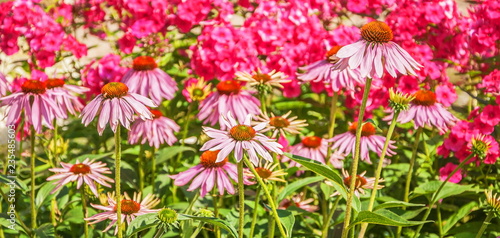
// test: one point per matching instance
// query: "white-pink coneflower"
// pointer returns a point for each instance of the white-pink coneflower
(88, 172)
(241, 138)
(4, 85)
(376, 52)
(281, 124)
(362, 183)
(116, 105)
(158, 131)
(64, 94)
(146, 79)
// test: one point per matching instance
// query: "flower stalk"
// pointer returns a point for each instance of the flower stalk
(409, 175)
(118, 147)
(241, 200)
(254, 215)
(32, 175)
(485, 224)
(331, 126)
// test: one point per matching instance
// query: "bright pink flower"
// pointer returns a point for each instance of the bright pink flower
(158, 131)
(65, 95)
(445, 94)
(146, 79)
(445, 171)
(491, 82)
(241, 138)
(345, 142)
(311, 147)
(229, 97)
(484, 147)
(209, 173)
(116, 105)
(88, 172)
(130, 208)
(490, 115)
(36, 102)
(105, 70)
(375, 45)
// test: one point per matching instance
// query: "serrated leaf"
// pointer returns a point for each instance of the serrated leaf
(450, 189)
(461, 213)
(287, 220)
(168, 153)
(290, 188)
(216, 222)
(383, 217)
(44, 193)
(396, 204)
(141, 223)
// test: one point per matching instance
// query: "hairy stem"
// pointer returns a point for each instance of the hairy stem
(118, 156)
(241, 199)
(409, 175)
(32, 175)
(254, 215)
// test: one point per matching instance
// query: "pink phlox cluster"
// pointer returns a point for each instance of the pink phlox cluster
(445, 171)
(100, 72)
(192, 12)
(491, 83)
(484, 31)
(368, 7)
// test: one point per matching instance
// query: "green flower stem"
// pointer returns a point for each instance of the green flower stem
(254, 215)
(326, 223)
(354, 170)
(486, 222)
(191, 204)
(153, 169)
(118, 156)
(53, 205)
(84, 208)
(198, 229)
(440, 221)
(268, 195)
(215, 201)
(271, 227)
(333, 115)
(409, 175)
(32, 173)
(379, 170)
(263, 104)
(241, 200)
(436, 194)
(141, 167)
(185, 130)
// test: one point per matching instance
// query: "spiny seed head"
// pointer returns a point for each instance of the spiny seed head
(33, 86)
(129, 207)
(399, 101)
(242, 132)
(208, 158)
(114, 90)
(54, 83)
(376, 32)
(367, 129)
(205, 213)
(424, 98)
(167, 215)
(80, 169)
(360, 181)
(228, 87)
(311, 141)
(262, 78)
(480, 146)
(492, 199)
(331, 54)
(263, 172)
(144, 63)
(279, 122)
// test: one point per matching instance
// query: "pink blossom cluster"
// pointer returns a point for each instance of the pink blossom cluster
(100, 72)
(191, 13)
(484, 31)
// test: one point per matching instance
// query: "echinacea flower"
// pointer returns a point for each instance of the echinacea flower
(196, 90)
(399, 101)
(146, 79)
(209, 173)
(4, 85)
(362, 183)
(299, 201)
(116, 105)
(345, 142)
(88, 171)
(38, 105)
(268, 173)
(492, 199)
(424, 110)
(229, 97)
(158, 131)
(321, 71)
(241, 138)
(311, 147)
(130, 208)
(64, 94)
(281, 124)
(376, 52)
(484, 148)
(259, 79)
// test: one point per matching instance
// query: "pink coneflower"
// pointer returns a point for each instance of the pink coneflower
(196, 90)
(36, 101)
(376, 52)
(4, 85)
(229, 97)
(64, 95)
(311, 147)
(484, 148)
(131, 208)
(210, 173)
(299, 201)
(259, 79)
(424, 110)
(116, 105)
(322, 71)
(362, 183)
(281, 124)
(268, 173)
(240, 138)
(345, 142)
(158, 131)
(88, 172)
(146, 79)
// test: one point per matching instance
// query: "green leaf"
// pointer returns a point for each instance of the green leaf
(383, 217)
(168, 153)
(44, 193)
(45, 231)
(287, 220)
(450, 189)
(461, 213)
(290, 188)
(91, 156)
(141, 223)
(9, 180)
(396, 204)
(412, 214)
(216, 222)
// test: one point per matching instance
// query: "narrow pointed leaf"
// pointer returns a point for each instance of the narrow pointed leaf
(216, 222)
(383, 217)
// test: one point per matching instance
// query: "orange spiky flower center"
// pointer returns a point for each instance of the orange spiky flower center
(242, 132)
(333, 51)
(208, 158)
(129, 207)
(80, 169)
(311, 141)
(33, 86)
(144, 63)
(279, 122)
(261, 77)
(263, 172)
(114, 90)
(360, 181)
(376, 32)
(424, 98)
(367, 129)
(156, 113)
(54, 83)
(229, 86)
